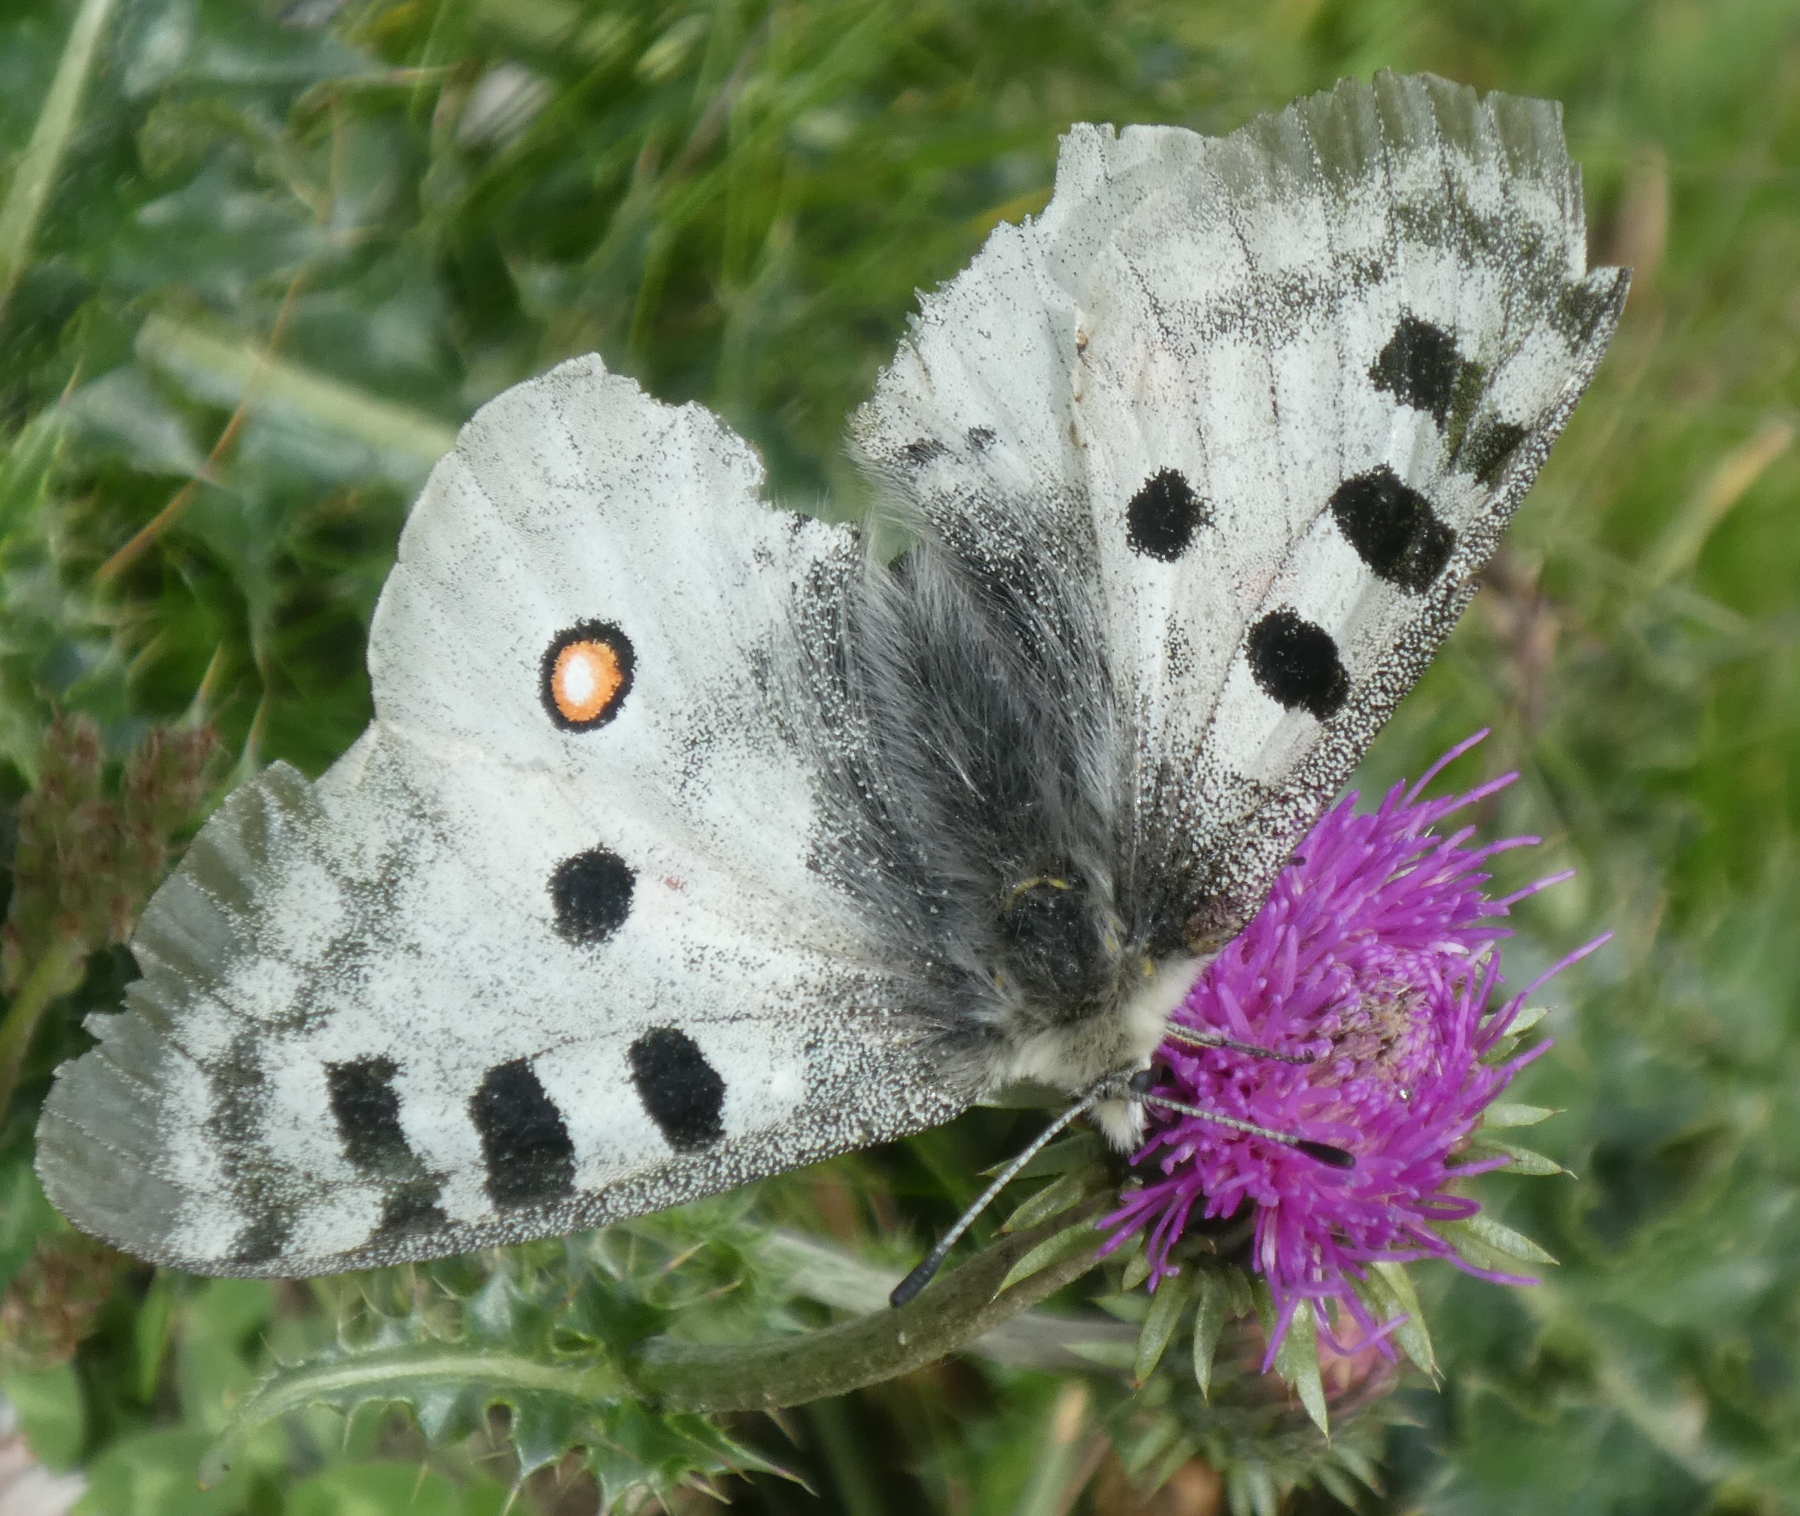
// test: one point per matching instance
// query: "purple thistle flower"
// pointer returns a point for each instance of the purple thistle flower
(1375, 957)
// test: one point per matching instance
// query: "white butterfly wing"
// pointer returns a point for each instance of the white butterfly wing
(1271, 398)
(544, 949)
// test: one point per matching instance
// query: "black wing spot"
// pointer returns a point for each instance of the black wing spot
(366, 1109)
(529, 1155)
(263, 1239)
(1393, 528)
(981, 438)
(412, 1210)
(1296, 663)
(923, 450)
(240, 1096)
(1489, 450)
(1420, 367)
(591, 895)
(1162, 517)
(681, 1091)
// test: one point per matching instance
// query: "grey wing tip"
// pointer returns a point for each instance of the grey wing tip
(107, 1124)
(1614, 287)
(1343, 129)
(100, 1143)
(94, 1126)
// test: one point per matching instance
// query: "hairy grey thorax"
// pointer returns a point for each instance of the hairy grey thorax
(982, 817)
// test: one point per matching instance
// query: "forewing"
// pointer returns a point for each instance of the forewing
(543, 949)
(1272, 398)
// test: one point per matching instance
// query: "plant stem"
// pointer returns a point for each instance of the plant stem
(683, 1376)
(1033, 1339)
(42, 985)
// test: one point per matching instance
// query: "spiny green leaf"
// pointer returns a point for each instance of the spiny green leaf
(1338, 1485)
(1246, 1293)
(1057, 1196)
(1505, 1113)
(1359, 1463)
(1137, 1265)
(1502, 1239)
(1216, 1307)
(1172, 1298)
(1297, 1361)
(505, 1346)
(1079, 1152)
(655, 1454)
(1149, 1443)
(1181, 1449)
(1254, 1491)
(1390, 1293)
(1053, 1249)
(1526, 1018)
(1520, 1160)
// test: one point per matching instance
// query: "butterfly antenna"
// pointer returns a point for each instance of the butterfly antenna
(1324, 1152)
(1188, 1037)
(934, 1260)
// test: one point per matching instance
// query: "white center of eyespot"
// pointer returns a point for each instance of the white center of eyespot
(579, 680)
(588, 678)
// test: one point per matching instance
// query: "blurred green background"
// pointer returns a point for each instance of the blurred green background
(257, 262)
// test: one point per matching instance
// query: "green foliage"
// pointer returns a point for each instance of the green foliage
(84, 862)
(254, 271)
(531, 1343)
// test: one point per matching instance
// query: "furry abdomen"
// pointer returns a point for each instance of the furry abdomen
(982, 820)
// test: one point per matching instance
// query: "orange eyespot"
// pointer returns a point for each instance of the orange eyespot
(586, 680)
(586, 674)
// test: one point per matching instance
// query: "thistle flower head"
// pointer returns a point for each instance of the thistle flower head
(1376, 960)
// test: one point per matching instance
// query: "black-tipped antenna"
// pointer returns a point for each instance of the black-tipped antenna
(934, 1260)
(1175, 1032)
